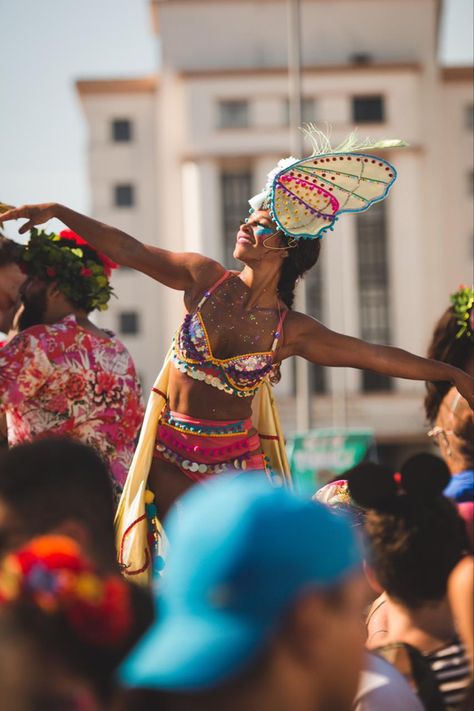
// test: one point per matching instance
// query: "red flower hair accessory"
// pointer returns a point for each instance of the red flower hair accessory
(51, 573)
(109, 265)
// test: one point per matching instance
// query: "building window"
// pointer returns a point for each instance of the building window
(233, 114)
(308, 110)
(470, 116)
(373, 287)
(129, 323)
(361, 58)
(124, 195)
(315, 307)
(236, 188)
(368, 109)
(121, 130)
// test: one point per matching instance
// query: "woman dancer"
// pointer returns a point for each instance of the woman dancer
(238, 328)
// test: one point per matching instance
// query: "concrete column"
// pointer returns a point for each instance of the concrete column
(406, 259)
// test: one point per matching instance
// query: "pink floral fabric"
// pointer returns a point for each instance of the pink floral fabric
(64, 380)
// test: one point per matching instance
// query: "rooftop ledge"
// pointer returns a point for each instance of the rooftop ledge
(370, 67)
(146, 84)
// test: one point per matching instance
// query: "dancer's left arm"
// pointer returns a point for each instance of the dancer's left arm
(311, 340)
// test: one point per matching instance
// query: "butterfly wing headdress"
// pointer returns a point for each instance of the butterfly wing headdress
(307, 196)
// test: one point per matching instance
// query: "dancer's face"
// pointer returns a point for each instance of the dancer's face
(34, 296)
(259, 237)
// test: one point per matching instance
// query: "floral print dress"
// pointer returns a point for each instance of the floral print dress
(62, 379)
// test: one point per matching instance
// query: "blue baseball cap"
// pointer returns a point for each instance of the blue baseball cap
(241, 552)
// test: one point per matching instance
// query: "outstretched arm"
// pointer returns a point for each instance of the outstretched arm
(180, 271)
(320, 345)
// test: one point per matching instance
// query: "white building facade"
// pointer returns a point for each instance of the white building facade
(174, 158)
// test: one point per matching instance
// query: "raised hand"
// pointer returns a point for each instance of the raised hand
(35, 214)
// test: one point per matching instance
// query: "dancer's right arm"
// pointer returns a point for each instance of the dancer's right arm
(181, 271)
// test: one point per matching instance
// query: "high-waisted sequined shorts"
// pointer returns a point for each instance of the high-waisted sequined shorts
(202, 448)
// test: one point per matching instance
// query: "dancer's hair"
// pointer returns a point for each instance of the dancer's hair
(10, 251)
(446, 347)
(55, 479)
(300, 258)
(414, 534)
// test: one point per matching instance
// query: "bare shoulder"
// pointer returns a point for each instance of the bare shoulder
(297, 327)
(205, 272)
(298, 323)
(204, 268)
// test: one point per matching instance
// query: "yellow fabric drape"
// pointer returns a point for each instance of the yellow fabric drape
(131, 528)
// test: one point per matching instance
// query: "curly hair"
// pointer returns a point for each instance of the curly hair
(300, 259)
(415, 535)
(446, 347)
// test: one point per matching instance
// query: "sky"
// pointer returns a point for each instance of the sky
(46, 45)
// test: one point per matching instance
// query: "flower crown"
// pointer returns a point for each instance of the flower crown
(463, 301)
(51, 573)
(81, 272)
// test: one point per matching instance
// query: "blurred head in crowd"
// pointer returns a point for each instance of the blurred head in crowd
(64, 628)
(414, 534)
(260, 606)
(57, 485)
(452, 342)
(12, 278)
(454, 432)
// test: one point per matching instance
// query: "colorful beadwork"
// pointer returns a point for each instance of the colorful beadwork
(205, 448)
(154, 536)
(307, 197)
(240, 375)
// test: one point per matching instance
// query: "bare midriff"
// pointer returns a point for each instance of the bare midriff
(197, 399)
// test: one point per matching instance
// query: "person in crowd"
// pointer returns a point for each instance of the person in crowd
(12, 277)
(461, 596)
(240, 326)
(64, 628)
(452, 342)
(415, 538)
(62, 375)
(381, 686)
(57, 485)
(454, 434)
(259, 608)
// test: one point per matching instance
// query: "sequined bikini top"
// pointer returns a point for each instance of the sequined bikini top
(192, 354)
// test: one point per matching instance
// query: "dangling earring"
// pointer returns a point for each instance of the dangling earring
(292, 242)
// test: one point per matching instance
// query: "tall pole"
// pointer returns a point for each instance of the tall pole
(303, 395)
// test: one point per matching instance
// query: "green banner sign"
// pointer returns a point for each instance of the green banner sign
(319, 456)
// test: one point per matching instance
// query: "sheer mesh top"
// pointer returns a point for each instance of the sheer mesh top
(235, 373)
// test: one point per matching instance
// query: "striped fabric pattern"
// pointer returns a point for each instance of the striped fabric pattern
(451, 668)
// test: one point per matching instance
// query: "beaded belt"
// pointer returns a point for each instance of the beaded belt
(202, 448)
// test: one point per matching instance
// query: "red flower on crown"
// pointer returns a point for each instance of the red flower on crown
(109, 265)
